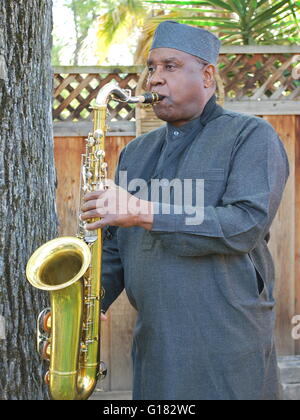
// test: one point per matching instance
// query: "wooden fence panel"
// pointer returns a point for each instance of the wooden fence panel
(67, 152)
(297, 224)
(282, 243)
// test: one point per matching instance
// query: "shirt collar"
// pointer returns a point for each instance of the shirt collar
(211, 111)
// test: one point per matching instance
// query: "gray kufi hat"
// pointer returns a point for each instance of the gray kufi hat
(189, 39)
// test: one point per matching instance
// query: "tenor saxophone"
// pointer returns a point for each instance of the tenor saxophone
(69, 268)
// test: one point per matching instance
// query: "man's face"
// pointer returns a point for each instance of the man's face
(179, 77)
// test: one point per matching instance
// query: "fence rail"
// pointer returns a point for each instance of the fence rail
(257, 80)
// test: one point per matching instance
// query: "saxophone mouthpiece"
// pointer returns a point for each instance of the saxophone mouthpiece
(151, 98)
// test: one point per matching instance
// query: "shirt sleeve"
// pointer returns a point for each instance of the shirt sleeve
(257, 176)
(112, 267)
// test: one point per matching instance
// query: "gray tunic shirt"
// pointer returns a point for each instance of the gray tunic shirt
(204, 293)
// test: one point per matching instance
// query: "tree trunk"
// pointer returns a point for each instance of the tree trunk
(27, 186)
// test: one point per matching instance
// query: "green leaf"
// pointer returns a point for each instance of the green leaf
(268, 14)
(252, 7)
(270, 25)
(220, 3)
(196, 10)
(294, 14)
(208, 23)
(214, 20)
(260, 3)
(252, 19)
(236, 7)
(178, 2)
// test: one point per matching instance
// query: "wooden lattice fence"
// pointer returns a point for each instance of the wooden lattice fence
(260, 77)
(76, 92)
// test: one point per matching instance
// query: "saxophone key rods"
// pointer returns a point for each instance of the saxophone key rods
(69, 268)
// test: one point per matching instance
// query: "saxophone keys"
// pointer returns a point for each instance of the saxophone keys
(88, 325)
(100, 154)
(100, 185)
(91, 341)
(84, 348)
(44, 321)
(46, 350)
(90, 300)
(98, 134)
(90, 141)
(47, 323)
(47, 378)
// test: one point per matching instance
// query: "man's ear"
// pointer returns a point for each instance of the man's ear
(209, 72)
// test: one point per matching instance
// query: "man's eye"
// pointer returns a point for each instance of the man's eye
(170, 66)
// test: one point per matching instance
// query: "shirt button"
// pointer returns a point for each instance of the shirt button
(176, 133)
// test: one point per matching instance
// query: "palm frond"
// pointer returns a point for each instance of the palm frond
(247, 19)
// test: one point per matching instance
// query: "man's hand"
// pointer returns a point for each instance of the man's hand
(116, 207)
(103, 317)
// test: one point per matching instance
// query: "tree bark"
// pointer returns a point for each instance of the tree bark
(27, 187)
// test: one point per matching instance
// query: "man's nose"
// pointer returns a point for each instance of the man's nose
(156, 77)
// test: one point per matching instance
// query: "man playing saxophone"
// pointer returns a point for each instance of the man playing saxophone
(202, 286)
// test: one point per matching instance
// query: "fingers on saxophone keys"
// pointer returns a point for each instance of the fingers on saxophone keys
(92, 214)
(96, 225)
(93, 195)
(89, 205)
(89, 215)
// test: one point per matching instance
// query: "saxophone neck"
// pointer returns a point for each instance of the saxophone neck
(114, 92)
(105, 94)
